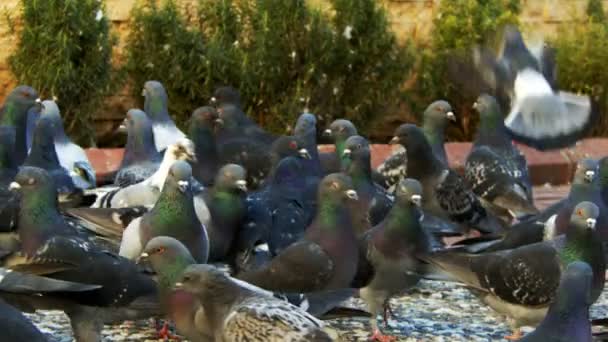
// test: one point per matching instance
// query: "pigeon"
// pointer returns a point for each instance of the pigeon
(173, 215)
(236, 312)
(603, 178)
(44, 155)
(339, 131)
(496, 170)
(446, 195)
(9, 200)
(201, 130)
(306, 132)
(225, 202)
(540, 115)
(434, 121)
(226, 95)
(141, 159)
(71, 156)
(522, 282)
(51, 247)
(16, 327)
(145, 193)
(326, 257)
(235, 123)
(374, 203)
(568, 316)
(156, 107)
(391, 248)
(14, 112)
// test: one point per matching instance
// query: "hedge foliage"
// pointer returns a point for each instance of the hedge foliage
(64, 51)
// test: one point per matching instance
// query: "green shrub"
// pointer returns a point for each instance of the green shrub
(65, 51)
(460, 25)
(582, 52)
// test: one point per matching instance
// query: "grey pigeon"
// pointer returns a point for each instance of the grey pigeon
(44, 155)
(434, 122)
(71, 156)
(568, 316)
(496, 170)
(374, 203)
(146, 192)
(51, 247)
(201, 130)
(235, 123)
(326, 257)
(173, 215)
(156, 107)
(306, 131)
(522, 282)
(14, 112)
(446, 194)
(237, 312)
(339, 131)
(540, 115)
(141, 159)
(391, 248)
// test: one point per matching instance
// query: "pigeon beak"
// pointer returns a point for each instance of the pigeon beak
(123, 127)
(14, 186)
(183, 185)
(589, 175)
(475, 105)
(591, 223)
(241, 184)
(178, 286)
(416, 199)
(219, 122)
(143, 92)
(304, 153)
(213, 100)
(143, 256)
(347, 153)
(352, 194)
(451, 116)
(327, 133)
(394, 141)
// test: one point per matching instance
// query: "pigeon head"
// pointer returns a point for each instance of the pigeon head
(340, 130)
(203, 118)
(289, 171)
(155, 103)
(18, 102)
(337, 188)
(43, 152)
(231, 178)
(513, 38)
(229, 117)
(181, 150)
(357, 154)
(140, 138)
(586, 171)
(165, 251)
(226, 95)
(354, 146)
(34, 182)
(50, 110)
(437, 115)
(487, 107)
(307, 123)
(584, 216)
(179, 176)
(203, 280)
(409, 190)
(411, 138)
(287, 146)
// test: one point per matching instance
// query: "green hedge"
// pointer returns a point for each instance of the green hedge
(64, 51)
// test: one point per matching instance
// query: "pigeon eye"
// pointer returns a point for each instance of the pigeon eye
(160, 250)
(293, 145)
(335, 186)
(580, 212)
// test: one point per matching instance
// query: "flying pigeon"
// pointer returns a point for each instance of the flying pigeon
(173, 215)
(521, 283)
(540, 115)
(238, 313)
(141, 159)
(326, 257)
(14, 112)
(156, 107)
(568, 316)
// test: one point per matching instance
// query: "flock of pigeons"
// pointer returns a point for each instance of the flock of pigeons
(300, 231)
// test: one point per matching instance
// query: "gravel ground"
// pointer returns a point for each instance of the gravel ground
(434, 311)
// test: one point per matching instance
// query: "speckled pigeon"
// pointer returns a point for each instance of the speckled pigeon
(237, 312)
(14, 112)
(51, 247)
(71, 156)
(391, 249)
(44, 156)
(339, 131)
(173, 215)
(434, 122)
(446, 194)
(540, 115)
(522, 282)
(141, 159)
(568, 316)
(326, 257)
(156, 107)
(374, 203)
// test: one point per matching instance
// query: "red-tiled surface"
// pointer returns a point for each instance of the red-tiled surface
(554, 167)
